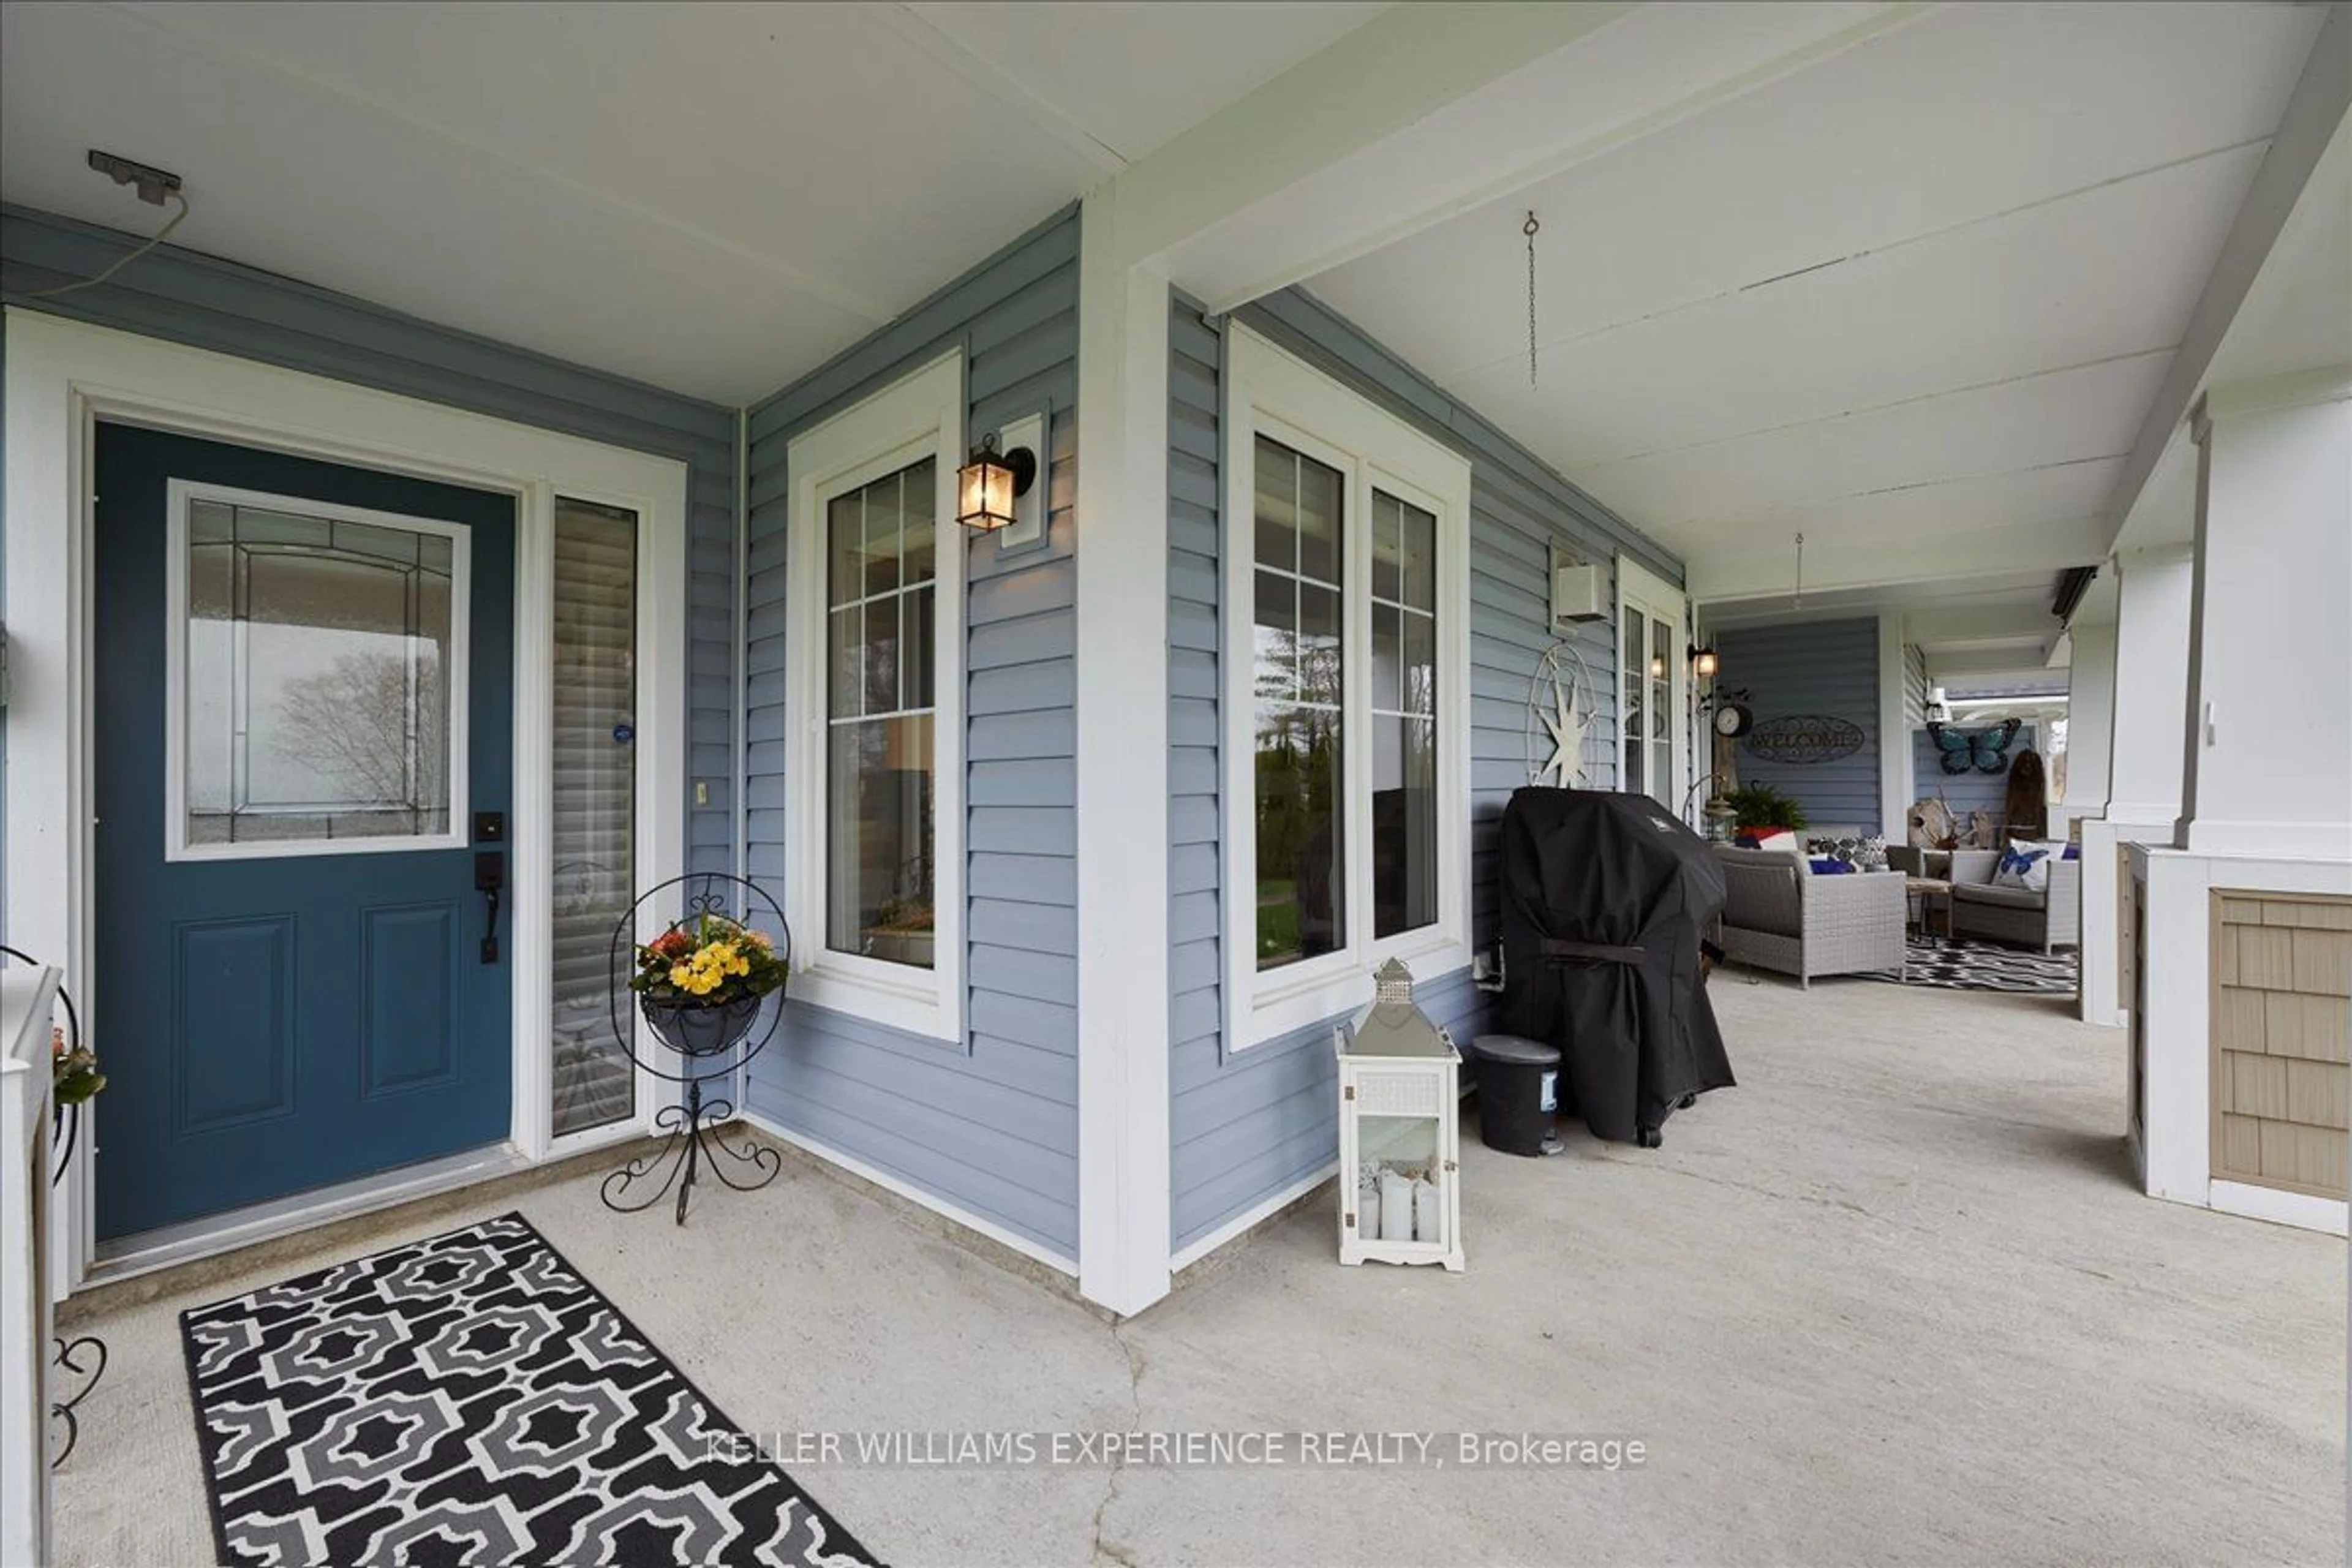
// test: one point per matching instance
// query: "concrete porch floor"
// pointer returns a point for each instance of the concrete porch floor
(1890, 1301)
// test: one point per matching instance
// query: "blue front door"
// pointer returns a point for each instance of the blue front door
(303, 700)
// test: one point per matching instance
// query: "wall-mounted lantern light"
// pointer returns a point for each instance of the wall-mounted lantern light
(1705, 663)
(987, 486)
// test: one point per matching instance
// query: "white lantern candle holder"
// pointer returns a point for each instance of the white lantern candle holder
(1400, 1133)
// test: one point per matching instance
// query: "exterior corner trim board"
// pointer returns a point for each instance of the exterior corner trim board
(1122, 770)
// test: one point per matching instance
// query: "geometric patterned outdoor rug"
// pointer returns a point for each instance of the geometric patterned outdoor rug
(470, 1399)
(1970, 965)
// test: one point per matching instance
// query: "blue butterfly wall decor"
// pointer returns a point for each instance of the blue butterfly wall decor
(1985, 750)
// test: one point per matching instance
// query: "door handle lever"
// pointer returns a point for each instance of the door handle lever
(490, 878)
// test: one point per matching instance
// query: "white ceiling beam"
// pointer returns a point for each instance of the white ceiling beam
(1984, 626)
(2314, 113)
(1944, 663)
(1882, 564)
(1429, 112)
(952, 54)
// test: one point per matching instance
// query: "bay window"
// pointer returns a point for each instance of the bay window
(1347, 822)
(876, 570)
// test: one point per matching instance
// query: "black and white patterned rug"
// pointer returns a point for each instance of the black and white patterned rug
(470, 1399)
(1970, 966)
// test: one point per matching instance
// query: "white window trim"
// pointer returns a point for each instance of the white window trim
(919, 415)
(1269, 389)
(1658, 600)
(180, 497)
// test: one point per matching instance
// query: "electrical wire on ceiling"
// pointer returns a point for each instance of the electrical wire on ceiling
(119, 263)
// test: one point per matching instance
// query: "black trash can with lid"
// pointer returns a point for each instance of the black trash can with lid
(1519, 1090)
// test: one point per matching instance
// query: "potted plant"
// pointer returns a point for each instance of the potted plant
(73, 1073)
(700, 983)
(1761, 805)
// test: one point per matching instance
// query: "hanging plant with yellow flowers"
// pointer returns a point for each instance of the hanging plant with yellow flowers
(707, 961)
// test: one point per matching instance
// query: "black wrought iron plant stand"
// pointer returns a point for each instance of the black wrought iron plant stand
(83, 1356)
(708, 1047)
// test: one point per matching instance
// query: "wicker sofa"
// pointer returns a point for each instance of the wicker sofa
(1982, 907)
(1778, 915)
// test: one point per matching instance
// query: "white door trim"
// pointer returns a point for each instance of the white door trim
(62, 378)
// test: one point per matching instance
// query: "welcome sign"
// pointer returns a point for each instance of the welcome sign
(1804, 737)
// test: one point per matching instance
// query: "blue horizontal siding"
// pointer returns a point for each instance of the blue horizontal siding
(1970, 791)
(1246, 1125)
(1828, 669)
(992, 1128)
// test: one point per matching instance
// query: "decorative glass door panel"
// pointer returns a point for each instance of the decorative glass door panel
(318, 688)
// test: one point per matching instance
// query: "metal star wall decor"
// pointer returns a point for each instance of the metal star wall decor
(1568, 725)
(1560, 706)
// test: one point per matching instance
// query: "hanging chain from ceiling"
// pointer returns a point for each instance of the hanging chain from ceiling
(1530, 229)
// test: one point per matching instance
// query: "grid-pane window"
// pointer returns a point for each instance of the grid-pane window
(1298, 678)
(1405, 715)
(1662, 653)
(1631, 724)
(881, 596)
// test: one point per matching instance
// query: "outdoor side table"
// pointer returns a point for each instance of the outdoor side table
(1925, 891)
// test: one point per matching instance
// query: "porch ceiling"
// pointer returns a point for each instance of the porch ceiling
(1915, 301)
(712, 198)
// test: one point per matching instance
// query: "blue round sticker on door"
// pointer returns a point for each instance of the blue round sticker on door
(623, 734)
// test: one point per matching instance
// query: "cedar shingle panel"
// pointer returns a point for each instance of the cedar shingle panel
(2282, 1032)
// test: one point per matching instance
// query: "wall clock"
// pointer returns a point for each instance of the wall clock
(1733, 720)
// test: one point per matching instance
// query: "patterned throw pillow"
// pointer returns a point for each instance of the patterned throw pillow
(1846, 852)
(1874, 854)
(2024, 866)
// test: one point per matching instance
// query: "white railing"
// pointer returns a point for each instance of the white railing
(26, 999)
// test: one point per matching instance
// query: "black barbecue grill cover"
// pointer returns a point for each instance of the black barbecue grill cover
(1604, 899)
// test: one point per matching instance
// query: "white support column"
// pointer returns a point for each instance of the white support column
(2090, 732)
(2145, 749)
(1894, 782)
(2090, 716)
(2150, 716)
(1122, 765)
(2267, 792)
(2270, 760)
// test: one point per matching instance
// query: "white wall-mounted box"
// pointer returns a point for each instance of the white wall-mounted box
(1578, 593)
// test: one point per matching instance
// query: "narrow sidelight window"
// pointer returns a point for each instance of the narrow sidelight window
(593, 815)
